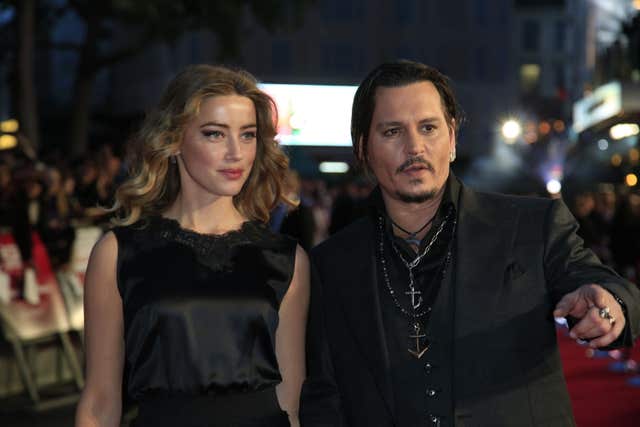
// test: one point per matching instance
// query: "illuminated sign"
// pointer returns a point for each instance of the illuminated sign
(313, 114)
(604, 103)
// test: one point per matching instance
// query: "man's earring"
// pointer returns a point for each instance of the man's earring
(452, 156)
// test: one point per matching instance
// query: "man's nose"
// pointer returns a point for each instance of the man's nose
(413, 143)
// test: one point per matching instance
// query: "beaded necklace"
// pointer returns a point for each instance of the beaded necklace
(414, 315)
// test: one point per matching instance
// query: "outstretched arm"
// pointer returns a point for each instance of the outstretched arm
(582, 286)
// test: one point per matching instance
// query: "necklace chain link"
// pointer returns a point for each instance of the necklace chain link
(410, 266)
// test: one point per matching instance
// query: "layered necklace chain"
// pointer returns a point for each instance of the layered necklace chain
(410, 266)
(415, 315)
(412, 237)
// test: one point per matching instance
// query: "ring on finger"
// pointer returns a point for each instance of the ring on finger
(605, 314)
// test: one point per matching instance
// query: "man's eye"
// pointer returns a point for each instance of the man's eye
(428, 128)
(391, 132)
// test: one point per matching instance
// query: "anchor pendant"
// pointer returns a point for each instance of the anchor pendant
(418, 352)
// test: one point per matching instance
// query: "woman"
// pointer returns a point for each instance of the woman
(192, 300)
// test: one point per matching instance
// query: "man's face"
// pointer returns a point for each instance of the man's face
(410, 142)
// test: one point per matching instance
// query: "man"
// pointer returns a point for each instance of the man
(438, 307)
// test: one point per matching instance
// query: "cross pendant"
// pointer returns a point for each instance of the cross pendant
(418, 352)
(413, 294)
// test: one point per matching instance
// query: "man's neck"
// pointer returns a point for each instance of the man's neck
(412, 216)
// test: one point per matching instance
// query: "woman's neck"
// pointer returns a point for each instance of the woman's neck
(215, 215)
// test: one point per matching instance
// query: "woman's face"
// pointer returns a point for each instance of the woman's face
(219, 146)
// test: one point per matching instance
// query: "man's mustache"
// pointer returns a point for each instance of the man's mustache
(412, 161)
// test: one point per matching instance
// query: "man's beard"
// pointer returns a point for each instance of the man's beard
(416, 198)
(421, 197)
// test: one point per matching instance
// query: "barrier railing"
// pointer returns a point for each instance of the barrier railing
(38, 306)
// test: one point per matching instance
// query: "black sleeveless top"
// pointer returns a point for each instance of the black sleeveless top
(200, 311)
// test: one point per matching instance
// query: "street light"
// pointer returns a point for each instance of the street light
(8, 141)
(554, 186)
(624, 130)
(9, 126)
(511, 130)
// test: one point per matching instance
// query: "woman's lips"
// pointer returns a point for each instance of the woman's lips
(232, 173)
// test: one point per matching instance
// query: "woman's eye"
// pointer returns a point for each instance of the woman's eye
(251, 135)
(212, 134)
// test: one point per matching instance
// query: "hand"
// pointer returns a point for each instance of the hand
(584, 304)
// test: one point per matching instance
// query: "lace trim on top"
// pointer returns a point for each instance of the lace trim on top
(215, 250)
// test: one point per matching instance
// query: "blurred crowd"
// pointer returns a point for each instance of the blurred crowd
(322, 210)
(54, 197)
(609, 221)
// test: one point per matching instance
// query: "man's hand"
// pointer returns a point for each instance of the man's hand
(586, 304)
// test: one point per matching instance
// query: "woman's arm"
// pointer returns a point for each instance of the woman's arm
(290, 338)
(101, 400)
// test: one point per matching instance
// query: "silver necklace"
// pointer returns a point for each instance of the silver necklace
(415, 332)
(413, 264)
(412, 237)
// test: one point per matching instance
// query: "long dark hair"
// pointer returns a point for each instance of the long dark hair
(396, 74)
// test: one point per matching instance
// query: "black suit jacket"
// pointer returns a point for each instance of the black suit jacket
(515, 258)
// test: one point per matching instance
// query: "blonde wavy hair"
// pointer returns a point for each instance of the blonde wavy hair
(154, 181)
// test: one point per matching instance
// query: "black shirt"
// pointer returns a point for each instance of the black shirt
(200, 319)
(421, 386)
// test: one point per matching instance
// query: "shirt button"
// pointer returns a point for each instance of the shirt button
(431, 392)
(434, 420)
(428, 367)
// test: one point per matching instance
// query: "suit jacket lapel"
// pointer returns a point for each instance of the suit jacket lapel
(360, 293)
(484, 242)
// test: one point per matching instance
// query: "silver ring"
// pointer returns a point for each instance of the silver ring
(604, 314)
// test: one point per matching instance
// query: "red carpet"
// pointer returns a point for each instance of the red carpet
(599, 397)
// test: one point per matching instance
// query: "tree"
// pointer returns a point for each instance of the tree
(17, 45)
(147, 22)
(631, 30)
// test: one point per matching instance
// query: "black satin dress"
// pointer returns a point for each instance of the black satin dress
(200, 316)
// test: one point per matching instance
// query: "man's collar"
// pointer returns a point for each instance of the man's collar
(449, 204)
